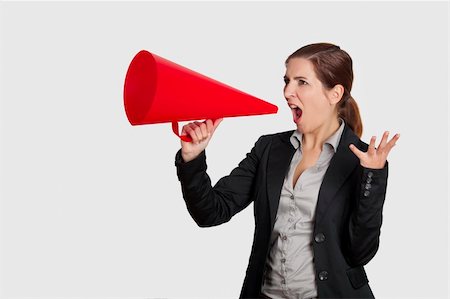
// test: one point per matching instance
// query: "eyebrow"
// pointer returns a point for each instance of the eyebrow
(295, 78)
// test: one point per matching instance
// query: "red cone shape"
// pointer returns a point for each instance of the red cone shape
(157, 90)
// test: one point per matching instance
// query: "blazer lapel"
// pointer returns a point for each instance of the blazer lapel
(341, 166)
(280, 156)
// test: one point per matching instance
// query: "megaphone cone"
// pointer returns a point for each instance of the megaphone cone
(157, 90)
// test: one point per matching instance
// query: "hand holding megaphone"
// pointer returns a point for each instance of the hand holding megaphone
(200, 133)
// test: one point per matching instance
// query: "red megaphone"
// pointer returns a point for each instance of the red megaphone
(157, 90)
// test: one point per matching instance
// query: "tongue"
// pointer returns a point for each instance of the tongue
(297, 115)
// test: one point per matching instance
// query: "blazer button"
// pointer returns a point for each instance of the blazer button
(369, 180)
(323, 275)
(366, 193)
(368, 186)
(370, 174)
(320, 237)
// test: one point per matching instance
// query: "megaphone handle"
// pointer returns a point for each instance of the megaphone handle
(176, 130)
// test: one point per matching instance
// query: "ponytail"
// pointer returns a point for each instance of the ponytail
(349, 111)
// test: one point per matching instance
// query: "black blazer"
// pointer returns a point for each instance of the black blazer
(348, 213)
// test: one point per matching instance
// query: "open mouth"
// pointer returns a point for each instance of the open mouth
(296, 112)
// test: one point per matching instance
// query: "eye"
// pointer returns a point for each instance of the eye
(302, 82)
(286, 81)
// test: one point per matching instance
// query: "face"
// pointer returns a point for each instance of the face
(311, 104)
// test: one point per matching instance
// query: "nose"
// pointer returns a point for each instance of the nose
(289, 91)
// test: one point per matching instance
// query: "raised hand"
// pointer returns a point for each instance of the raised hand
(201, 133)
(375, 157)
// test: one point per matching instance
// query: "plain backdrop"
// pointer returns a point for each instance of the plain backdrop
(91, 206)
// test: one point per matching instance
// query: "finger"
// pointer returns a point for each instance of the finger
(203, 130)
(190, 132)
(198, 131)
(183, 130)
(356, 151)
(186, 129)
(209, 125)
(392, 142)
(371, 150)
(195, 133)
(383, 140)
(217, 123)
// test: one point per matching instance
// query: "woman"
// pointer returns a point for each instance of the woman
(318, 191)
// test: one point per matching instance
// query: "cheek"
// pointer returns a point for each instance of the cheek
(315, 105)
(320, 102)
(317, 110)
(313, 100)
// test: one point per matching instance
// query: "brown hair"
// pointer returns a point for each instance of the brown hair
(334, 66)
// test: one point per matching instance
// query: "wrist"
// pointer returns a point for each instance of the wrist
(188, 157)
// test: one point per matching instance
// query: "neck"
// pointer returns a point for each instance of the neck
(313, 141)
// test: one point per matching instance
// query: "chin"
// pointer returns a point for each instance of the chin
(301, 129)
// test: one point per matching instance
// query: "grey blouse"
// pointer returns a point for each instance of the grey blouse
(289, 270)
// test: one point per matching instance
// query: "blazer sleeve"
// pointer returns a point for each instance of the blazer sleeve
(366, 217)
(209, 205)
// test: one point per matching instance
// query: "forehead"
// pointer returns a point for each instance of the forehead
(300, 67)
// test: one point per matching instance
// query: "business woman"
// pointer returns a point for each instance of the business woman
(318, 191)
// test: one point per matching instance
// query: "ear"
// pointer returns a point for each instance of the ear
(335, 94)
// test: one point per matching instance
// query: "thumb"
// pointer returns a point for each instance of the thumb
(217, 123)
(356, 151)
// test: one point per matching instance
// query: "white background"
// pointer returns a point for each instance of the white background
(91, 207)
